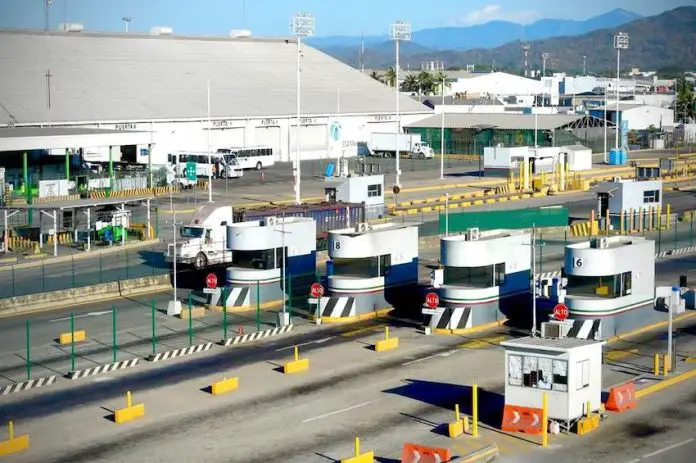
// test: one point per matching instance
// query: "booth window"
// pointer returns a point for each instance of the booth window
(560, 375)
(626, 283)
(604, 286)
(477, 277)
(651, 196)
(530, 372)
(582, 374)
(515, 370)
(374, 191)
(499, 274)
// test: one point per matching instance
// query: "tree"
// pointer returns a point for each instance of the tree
(410, 84)
(439, 78)
(375, 75)
(426, 83)
(686, 101)
(390, 77)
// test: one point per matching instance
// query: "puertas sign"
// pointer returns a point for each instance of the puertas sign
(191, 171)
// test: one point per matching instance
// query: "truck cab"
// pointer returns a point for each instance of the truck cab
(203, 242)
(423, 151)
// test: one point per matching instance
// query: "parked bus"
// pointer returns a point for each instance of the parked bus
(218, 165)
(255, 157)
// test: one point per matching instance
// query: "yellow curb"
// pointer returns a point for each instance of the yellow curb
(623, 337)
(355, 318)
(245, 308)
(665, 384)
(474, 329)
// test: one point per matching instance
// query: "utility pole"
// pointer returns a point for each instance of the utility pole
(174, 306)
(584, 70)
(620, 43)
(400, 31)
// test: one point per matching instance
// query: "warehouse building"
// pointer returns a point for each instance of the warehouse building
(158, 83)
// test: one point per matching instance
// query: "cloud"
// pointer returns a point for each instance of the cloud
(496, 13)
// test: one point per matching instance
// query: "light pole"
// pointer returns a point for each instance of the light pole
(534, 283)
(210, 154)
(606, 102)
(442, 133)
(126, 20)
(400, 31)
(544, 57)
(584, 69)
(620, 43)
(302, 26)
(174, 306)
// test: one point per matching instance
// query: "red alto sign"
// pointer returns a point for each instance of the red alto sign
(316, 290)
(211, 281)
(432, 300)
(561, 312)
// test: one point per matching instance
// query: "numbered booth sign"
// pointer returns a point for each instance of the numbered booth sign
(577, 262)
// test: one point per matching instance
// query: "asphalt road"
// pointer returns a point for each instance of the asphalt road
(386, 399)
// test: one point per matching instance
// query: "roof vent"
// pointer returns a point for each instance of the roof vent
(161, 30)
(71, 27)
(240, 33)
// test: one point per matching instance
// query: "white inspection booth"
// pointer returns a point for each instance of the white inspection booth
(372, 268)
(611, 285)
(568, 369)
(638, 201)
(485, 278)
(578, 157)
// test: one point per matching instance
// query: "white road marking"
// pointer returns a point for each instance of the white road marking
(309, 420)
(430, 357)
(668, 448)
(318, 341)
(90, 314)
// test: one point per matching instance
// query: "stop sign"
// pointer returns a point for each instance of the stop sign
(211, 280)
(432, 300)
(560, 312)
(316, 290)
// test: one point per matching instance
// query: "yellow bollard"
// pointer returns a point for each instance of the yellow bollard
(297, 354)
(357, 446)
(386, 332)
(456, 412)
(465, 420)
(129, 399)
(658, 211)
(656, 365)
(474, 410)
(587, 410)
(545, 420)
(665, 365)
(10, 429)
(607, 222)
(630, 221)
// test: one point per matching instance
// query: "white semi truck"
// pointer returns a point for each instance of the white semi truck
(203, 242)
(410, 145)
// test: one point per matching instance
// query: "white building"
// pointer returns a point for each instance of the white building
(159, 84)
(498, 84)
(643, 116)
(459, 104)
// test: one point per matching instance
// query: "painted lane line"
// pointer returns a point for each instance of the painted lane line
(668, 448)
(90, 314)
(318, 341)
(430, 357)
(325, 415)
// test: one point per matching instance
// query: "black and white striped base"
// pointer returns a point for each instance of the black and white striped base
(337, 307)
(451, 318)
(180, 352)
(103, 369)
(585, 329)
(256, 336)
(26, 385)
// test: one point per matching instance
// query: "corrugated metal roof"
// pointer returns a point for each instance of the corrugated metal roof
(501, 121)
(451, 101)
(29, 138)
(557, 344)
(118, 77)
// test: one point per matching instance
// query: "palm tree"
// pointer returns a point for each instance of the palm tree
(440, 77)
(410, 84)
(686, 101)
(390, 77)
(376, 75)
(425, 82)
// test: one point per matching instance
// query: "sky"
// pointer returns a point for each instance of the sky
(333, 17)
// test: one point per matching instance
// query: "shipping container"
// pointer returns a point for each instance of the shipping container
(328, 216)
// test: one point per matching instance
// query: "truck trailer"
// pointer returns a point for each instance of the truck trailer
(384, 145)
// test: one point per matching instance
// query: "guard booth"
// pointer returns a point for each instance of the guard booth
(485, 277)
(569, 370)
(272, 259)
(629, 205)
(609, 287)
(365, 185)
(373, 269)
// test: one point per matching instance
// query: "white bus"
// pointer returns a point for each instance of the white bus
(221, 165)
(254, 157)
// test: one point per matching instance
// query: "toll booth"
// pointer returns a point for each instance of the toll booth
(630, 204)
(271, 259)
(485, 277)
(373, 269)
(569, 370)
(609, 287)
(364, 185)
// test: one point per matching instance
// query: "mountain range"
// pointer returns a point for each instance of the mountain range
(656, 41)
(488, 35)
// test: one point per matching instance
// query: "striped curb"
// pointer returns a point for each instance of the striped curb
(26, 385)
(686, 250)
(256, 336)
(77, 374)
(548, 275)
(179, 352)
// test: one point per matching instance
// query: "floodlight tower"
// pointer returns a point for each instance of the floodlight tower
(126, 20)
(302, 25)
(620, 43)
(526, 48)
(400, 31)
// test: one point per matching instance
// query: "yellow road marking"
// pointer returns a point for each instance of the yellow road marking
(363, 330)
(619, 354)
(487, 341)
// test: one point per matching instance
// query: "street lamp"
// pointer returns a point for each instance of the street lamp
(544, 57)
(584, 69)
(620, 43)
(400, 31)
(126, 20)
(174, 306)
(442, 132)
(210, 155)
(302, 26)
